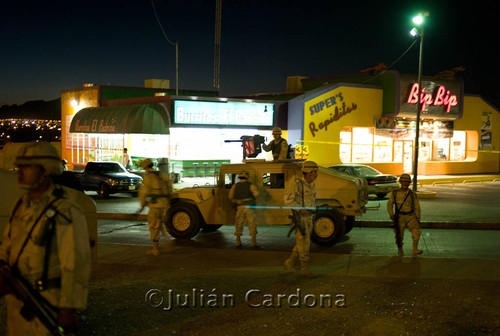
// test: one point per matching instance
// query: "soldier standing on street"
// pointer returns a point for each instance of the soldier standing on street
(302, 196)
(243, 194)
(155, 193)
(278, 146)
(46, 241)
(404, 208)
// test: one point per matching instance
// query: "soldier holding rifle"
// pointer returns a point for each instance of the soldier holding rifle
(45, 253)
(302, 198)
(404, 209)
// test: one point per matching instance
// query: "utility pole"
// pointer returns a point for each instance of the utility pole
(218, 19)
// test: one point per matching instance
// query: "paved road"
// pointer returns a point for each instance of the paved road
(454, 205)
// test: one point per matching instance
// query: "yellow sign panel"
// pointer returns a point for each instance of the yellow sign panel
(326, 115)
(301, 152)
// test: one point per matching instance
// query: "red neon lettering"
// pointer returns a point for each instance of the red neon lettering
(413, 97)
(443, 97)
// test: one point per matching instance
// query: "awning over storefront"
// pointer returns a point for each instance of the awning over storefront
(139, 118)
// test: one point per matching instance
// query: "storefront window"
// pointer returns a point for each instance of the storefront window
(441, 150)
(209, 143)
(345, 150)
(358, 144)
(362, 147)
(382, 151)
(424, 153)
(458, 146)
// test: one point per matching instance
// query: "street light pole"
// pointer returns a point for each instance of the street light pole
(419, 106)
(418, 20)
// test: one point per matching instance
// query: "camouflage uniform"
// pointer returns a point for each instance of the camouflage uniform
(244, 194)
(409, 214)
(303, 195)
(278, 146)
(155, 193)
(69, 262)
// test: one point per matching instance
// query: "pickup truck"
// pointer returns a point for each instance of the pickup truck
(339, 199)
(108, 177)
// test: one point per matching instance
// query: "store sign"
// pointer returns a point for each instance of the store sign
(223, 113)
(438, 98)
(441, 97)
(399, 128)
(329, 109)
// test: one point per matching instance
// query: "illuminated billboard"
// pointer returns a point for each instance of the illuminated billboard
(189, 112)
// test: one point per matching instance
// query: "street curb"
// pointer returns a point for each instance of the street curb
(111, 215)
(434, 225)
(360, 223)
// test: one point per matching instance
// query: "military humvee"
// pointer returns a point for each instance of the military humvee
(339, 198)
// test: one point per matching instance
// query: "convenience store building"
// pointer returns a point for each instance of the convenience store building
(371, 120)
(186, 132)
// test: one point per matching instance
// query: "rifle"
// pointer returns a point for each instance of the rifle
(35, 305)
(296, 223)
(399, 242)
(151, 199)
(395, 222)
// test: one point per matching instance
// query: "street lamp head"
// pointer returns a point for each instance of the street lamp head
(418, 20)
(414, 32)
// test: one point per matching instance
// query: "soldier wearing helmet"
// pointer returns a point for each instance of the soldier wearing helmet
(302, 196)
(278, 146)
(46, 241)
(244, 194)
(155, 194)
(404, 208)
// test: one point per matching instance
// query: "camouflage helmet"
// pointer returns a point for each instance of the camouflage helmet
(146, 163)
(243, 175)
(405, 177)
(276, 130)
(309, 166)
(42, 154)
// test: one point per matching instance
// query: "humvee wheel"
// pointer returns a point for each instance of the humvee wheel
(183, 221)
(349, 224)
(328, 226)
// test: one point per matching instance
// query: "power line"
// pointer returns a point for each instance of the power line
(159, 23)
(392, 64)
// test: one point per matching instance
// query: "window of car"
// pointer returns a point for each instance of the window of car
(230, 179)
(364, 171)
(273, 180)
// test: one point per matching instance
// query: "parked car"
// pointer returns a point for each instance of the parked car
(378, 183)
(108, 177)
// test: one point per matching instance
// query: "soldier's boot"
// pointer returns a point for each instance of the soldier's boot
(163, 230)
(238, 241)
(254, 242)
(156, 249)
(401, 253)
(290, 262)
(304, 270)
(415, 249)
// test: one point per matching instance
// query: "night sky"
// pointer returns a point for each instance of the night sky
(48, 46)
